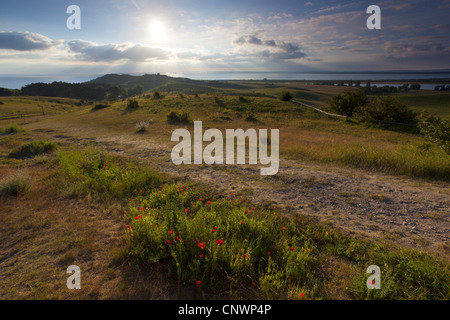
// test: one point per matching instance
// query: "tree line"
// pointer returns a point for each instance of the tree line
(85, 91)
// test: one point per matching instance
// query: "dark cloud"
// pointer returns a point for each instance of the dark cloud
(285, 51)
(25, 41)
(111, 52)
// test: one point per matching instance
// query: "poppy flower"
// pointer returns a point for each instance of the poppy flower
(231, 193)
(246, 211)
(201, 245)
(129, 199)
(307, 250)
(142, 208)
(216, 227)
(245, 256)
(253, 209)
(129, 227)
(197, 241)
(302, 295)
(198, 283)
(201, 255)
(373, 282)
(244, 200)
(213, 230)
(209, 202)
(219, 241)
(140, 191)
(169, 242)
(269, 253)
(242, 222)
(137, 217)
(186, 210)
(177, 238)
(170, 231)
(200, 199)
(283, 228)
(292, 248)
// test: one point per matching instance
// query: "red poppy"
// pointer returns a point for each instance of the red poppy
(242, 222)
(170, 231)
(129, 227)
(129, 199)
(186, 210)
(140, 191)
(209, 202)
(244, 200)
(219, 241)
(198, 283)
(142, 208)
(253, 208)
(213, 230)
(197, 241)
(302, 295)
(283, 228)
(245, 256)
(169, 242)
(201, 255)
(292, 248)
(200, 199)
(246, 211)
(182, 187)
(216, 227)
(201, 245)
(231, 193)
(137, 217)
(307, 250)
(269, 253)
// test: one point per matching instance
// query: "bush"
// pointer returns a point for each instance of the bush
(33, 148)
(386, 108)
(250, 117)
(12, 128)
(436, 130)
(346, 103)
(15, 184)
(177, 118)
(141, 126)
(100, 106)
(132, 104)
(156, 95)
(286, 96)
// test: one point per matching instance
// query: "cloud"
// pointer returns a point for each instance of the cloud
(86, 50)
(286, 50)
(25, 41)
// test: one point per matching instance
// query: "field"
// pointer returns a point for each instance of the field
(100, 191)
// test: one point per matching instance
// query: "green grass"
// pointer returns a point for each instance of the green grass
(32, 149)
(434, 103)
(97, 173)
(261, 255)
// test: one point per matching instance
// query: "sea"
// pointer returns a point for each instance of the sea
(16, 82)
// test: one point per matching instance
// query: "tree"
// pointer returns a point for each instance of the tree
(286, 96)
(436, 130)
(346, 103)
(386, 108)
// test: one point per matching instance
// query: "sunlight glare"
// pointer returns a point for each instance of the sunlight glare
(158, 31)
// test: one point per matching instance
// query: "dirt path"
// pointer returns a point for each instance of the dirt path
(409, 212)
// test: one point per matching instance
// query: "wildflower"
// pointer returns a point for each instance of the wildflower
(200, 199)
(307, 250)
(140, 191)
(142, 208)
(201, 245)
(169, 242)
(219, 241)
(269, 253)
(231, 193)
(292, 248)
(129, 199)
(170, 231)
(245, 256)
(213, 230)
(197, 241)
(186, 210)
(137, 217)
(209, 202)
(244, 200)
(246, 211)
(198, 283)
(253, 209)
(129, 227)
(201, 255)
(242, 222)
(177, 238)
(302, 295)
(216, 227)
(283, 228)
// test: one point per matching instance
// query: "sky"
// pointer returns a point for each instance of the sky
(179, 37)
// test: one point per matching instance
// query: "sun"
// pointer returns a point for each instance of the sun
(157, 31)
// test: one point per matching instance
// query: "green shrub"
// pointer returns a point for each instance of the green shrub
(33, 148)
(12, 128)
(178, 118)
(15, 184)
(132, 104)
(286, 96)
(346, 103)
(100, 106)
(156, 95)
(385, 108)
(436, 130)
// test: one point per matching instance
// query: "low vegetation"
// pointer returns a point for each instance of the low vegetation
(181, 117)
(15, 184)
(32, 149)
